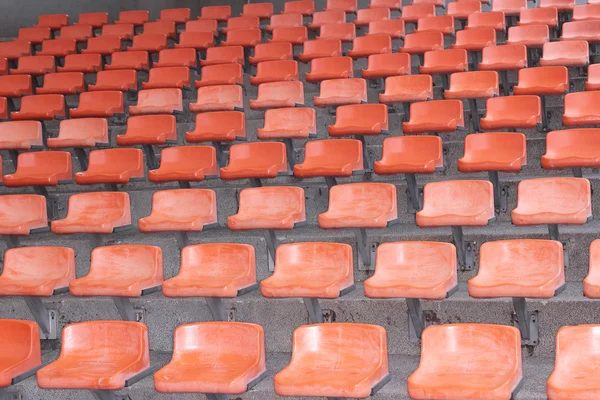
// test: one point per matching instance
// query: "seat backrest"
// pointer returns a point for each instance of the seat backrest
(135, 17)
(261, 10)
(88, 130)
(160, 98)
(15, 49)
(566, 49)
(178, 15)
(336, 258)
(122, 31)
(286, 20)
(20, 341)
(221, 122)
(99, 205)
(230, 259)
(290, 120)
(202, 25)
(366, 15)
(183, 202)
(96, 20)
(412, 12)
(294, 35)
(488, 19)
(303, 7)
(220, 13)
(282, 91)
(31, 263)
(272, 200)
(152, 125)
(539, 15)
(328, 17)
(129, 261)
(348, 6)
(578, 30)
(243, 22)
(439, 23)
(76, 32)
(53, 21)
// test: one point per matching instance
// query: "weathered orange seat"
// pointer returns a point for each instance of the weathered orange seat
(364, 46)
(561, 5)
(591, 283)
(407, 89)
(320, 48)
(114, 166)
(203, 25)
(223, 55)
(220, 13)
(158, 101)
(348, 6)
(213, 270)
(463, 370)
(222, 74)
(278, 94)
(366, 15)
(475, 39)
(412, 12)
(581, 30)
(385, 65)
(103, 45)
(185, 163)
(3, 66)
(135, 17)
(421, 42)
(437, 3)
(234, 354)
(519, 268)
(511, 8)
(85, 63)
(410, 155)
(321, 18)
(96, 20)
(42, 168)
(95, 212)
(461, 10)
(294, 35)
(218, 98)
(581, 109)
(473, 85)
(439, 23)
(275, 51)
(502, 58)
(516, 112)
(12, 86)
(444, 61)
(58, 47)
(414, 270)
(345, 32)
(260, 10)
(310, 270)
(40, 107)
(22, 213)
(188, 210)
(533, 36)
(121, 80)
(593, 80)
(98, 355)
(22, 350)
(339, 92)
(53, 21)
(150, 42)
(177, 15)
(572, 148)
(304, 7)
(285, 208)
(180, 57)
(35, 35)
(255, 160)
(62, 83)
(391, 4)
(570, 53)
(494, 151)
(34, 66)
(360, 119)
(333, 360)
(122, 31)
(285, 20)
(79, 32)
(553, 80)
(292, 123)
(243, 37)
(275, 71)
(169, 77)
(435, 116)
(456, 203)
(337, 158)
(242, 22)
(104, 104)
(394, 28)
(330, 68)
(196, 40)
(539, 16)
(218, 126)
(149, 129)
(15, 49)
(85, 133)
(586, 12)
(351, 206)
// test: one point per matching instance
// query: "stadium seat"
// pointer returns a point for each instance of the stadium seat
(593, 79)
(410, 155)
(171, 77)
(220, 13)
(260, 10)
(494, 151)
(222, 74)
(586, 12)
(218, 98)
(148, 130)
(296, 35)
(79, 33)
(444, 62)
(15, 49)
(511, 8)
(22, 214)
(462, 370)
(471, 86)
(570, 53)
(62, 83)
(392, 27)
(288, 123)
(539, 16)
(581, 30)
(137, 17)
(99, 356)
(580, 109)
(36, 35)
(256, 161)
(531, 36)
(365, 46)
(339, 92)
(572, 148)
(435, 116)
(122, 80)
(321, 18)
(441, 23)
(437, 3)
(12, 86)
(196, 40)
(96, 20)
(41, 107)
(385, 65)
(512, 112)
(366, 15)
(591, 286)
(243, 37)
(22, 353)
(58, 47)
(185, 164)
(360, 119)
(34, 66)
(136, 60)
(158, 101)
(177, 15)
(503, 59)
(218, 126)
(203, 25)
(411, 13)
(331, 159)
(320, 48)
(393, 5)
(290, 20)
(275, 51)
(488, 19)
(329, 68)
(84, 63)
(275, 71)
(152, 43)
(122, 31)
(104, 104)
(181, 57)
(3, 66)
(243, 22)
(3, 108)
(103, 45)
(224, 55)
(80, 133)
(278, 94)
(231, 371)
(348, 6)
(304, 7)
(333, 360)
(474, 40)
(407, 89)
(561, 5)
(53, 21)
(461, 10)
(345, 32)
(161, 27)
(41, 168)
(421, 42)
(113, 167)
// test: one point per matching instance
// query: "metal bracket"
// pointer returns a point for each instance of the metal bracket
(504, 82)
(108, 395)
(406, 116)
(331, 181)
(81, 157)
(150, 156)
(126, 310)
(526, 321)
(291, 154)
(366, 159)
(329, 316)
(217, 308)
(414, 194)
(577, 172)
(97, 240)
(465, 251)
(13, 242)
(315, 315)
(255, 182)
(366, 252)
(416, 320)
(553, 232)
(474, 115)
(271, 242)
(46, 319)
(221, 159)
(182, 239)
(51, 202)
(500, 193)
(544, 114)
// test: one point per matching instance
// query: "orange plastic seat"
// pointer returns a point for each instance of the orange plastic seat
(528, 35)
(85, 133)
(561, 5)
(441, 23)
(296, 35)
(79, 33)
(519, 268)
(410, 155)
(391, 4)
(385, 65)
(391, 27)
(41, 168)
(337, 158)
(461, 10)
(218, 98)
(456, 203)
(222, 74)
(136, 60)
(473, 85)
(511, 8)
(304, 7)
(218, 126)
(15, 49)
(591, 286)
(188, 210)
(310, 270)
(580, 109)
(152, 43)
(95, 212)
(220, 13)
(365, 46)
(242, 22)
(285, 208)
(177, 15)
(243, 37)
(287, 20)
(234, 354)
(112, 166)
(185, 163)
(553, 80)
(320, 48)
(330, 68)
(35, 35)
(58, 47)
(435, 116)
(411, 13)
(494, 151)
(261, 160)
(462, 370)
(34, 66)
(502, 58)
(223, 55)
(581, 30)
(103, 104)
(96, 20)
(272, 52)
(41, 107)
(3, 108)
(149, 129)
(474, 39)
(345, 32)
(421, 42)
(333, 360)
(122, 31)
(586, 12)
(196, 40)
(444, 61)
(62, 83)
(103, 45)
(22, 213)
(158, 101)
(98, 355)
(203, 25)
(414, 270)
(553, 201)
(366, 15)
(84, 63)
(260, 10)
(437, 3)
(407, 89)
(321, 18)
(136, 17)
(53, 21)
(488, 19)
(360, 119)
(171, 77)
(122, 80)
(12, 86)
(539, 16)
(293, 123)
(348, 6)
(22, 350)
(593, 80)
(519, 112)
(278, 94)
(275, 71)
(3, 66)
(572, 148)
(181, 57)
(571, 53)
(339, 92)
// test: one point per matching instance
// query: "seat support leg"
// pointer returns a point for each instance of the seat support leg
(331, 181)
(366, 158)
(445, 82)
(474, 114)
(14, 155)
(150, 156)
(182, 239)
(406, 107)
(577, 172)
(217, 308)
(221, 160)
(464, 251)
(184, 184)
(416, 320)
(544, 114)
(365, 251)
(474, 60)
(46, 319)
(504, 82)
(500, 197)
(81, 157)
(271, 242)
(255, 182)
(4, 395)
(106, 395)
(51, 202)
(553, 231)
(125, 308)
(315, 315)
(216, 396)
(526, 321)
(291, 155)
(12, 242)
(413, 191)
(97, 240)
